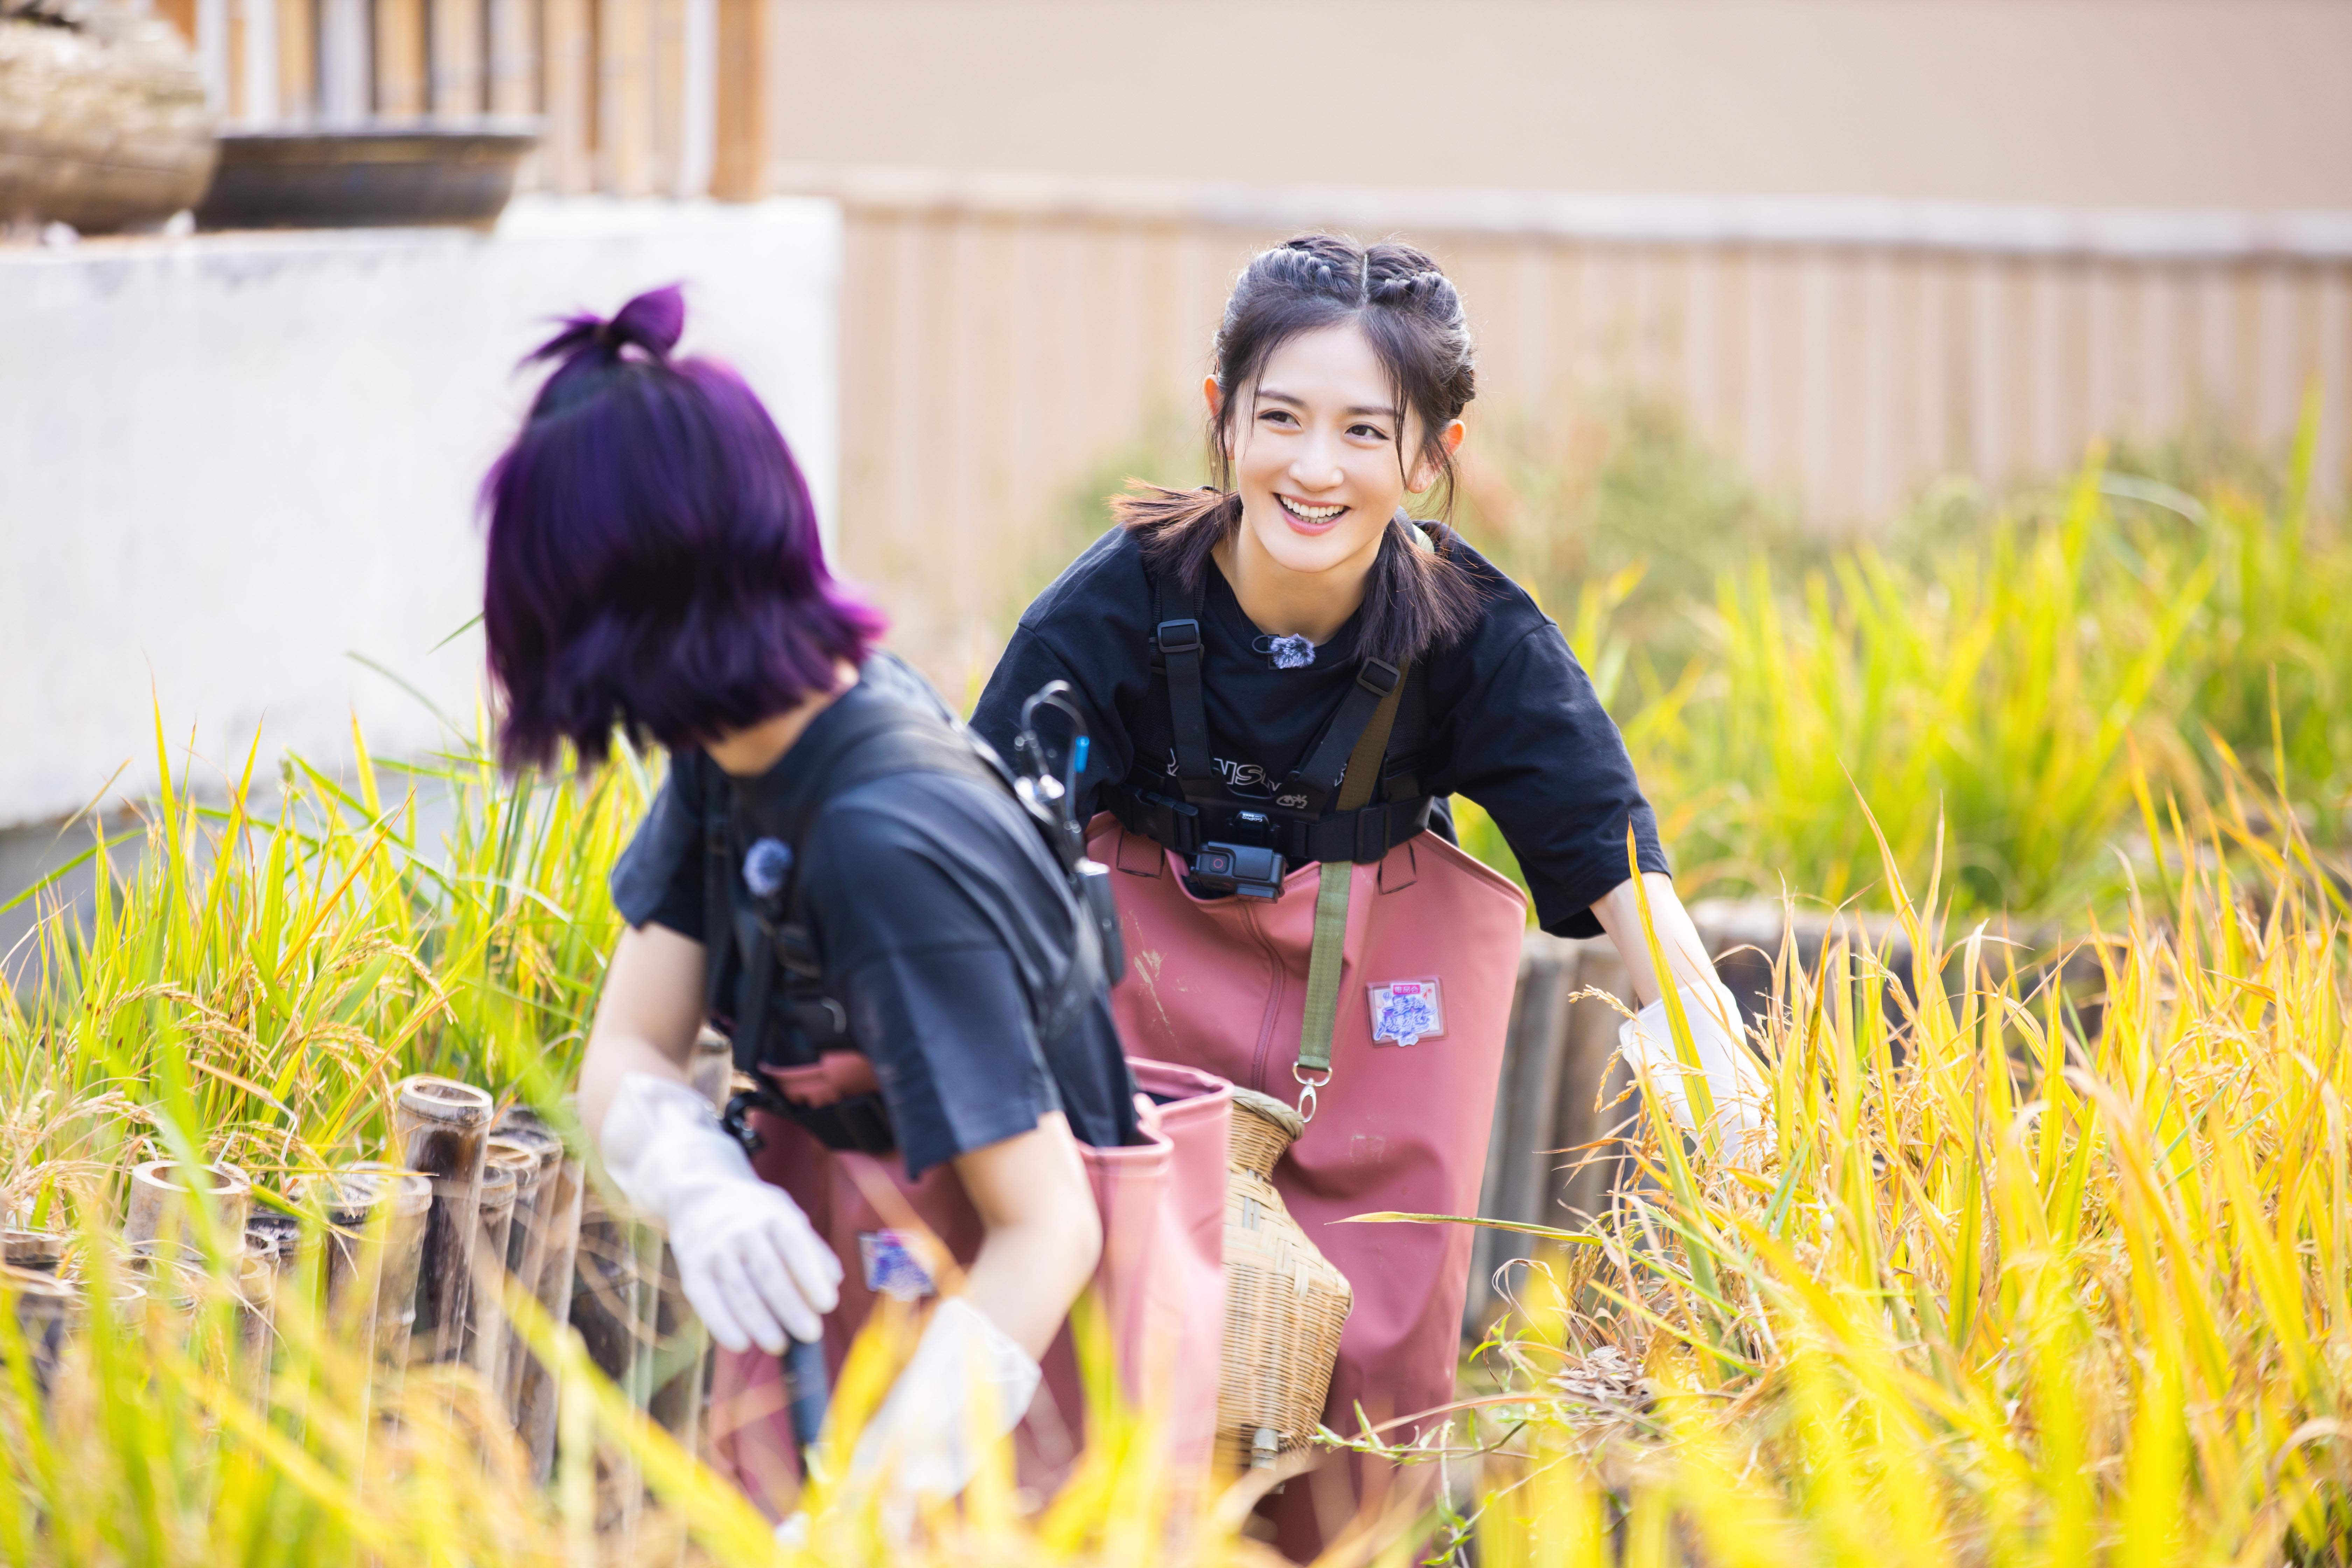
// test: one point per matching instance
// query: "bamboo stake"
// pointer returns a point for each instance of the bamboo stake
(442, 1129)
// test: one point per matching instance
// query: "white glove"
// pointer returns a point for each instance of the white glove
(750, 1261)
(923, 1438)
(1743, 1103)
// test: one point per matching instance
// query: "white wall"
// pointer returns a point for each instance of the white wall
(230, 461)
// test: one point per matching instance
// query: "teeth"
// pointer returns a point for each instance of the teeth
(1310, 513)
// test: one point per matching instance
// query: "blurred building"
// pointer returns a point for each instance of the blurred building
(1858, 243)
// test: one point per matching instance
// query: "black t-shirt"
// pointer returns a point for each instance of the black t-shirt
(1507, 717)
(946, 929)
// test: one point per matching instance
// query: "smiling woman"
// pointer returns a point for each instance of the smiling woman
(1286, 678)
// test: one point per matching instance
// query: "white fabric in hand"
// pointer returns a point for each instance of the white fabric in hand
(1743, 1103)
(923, 1439)
(752, 1265)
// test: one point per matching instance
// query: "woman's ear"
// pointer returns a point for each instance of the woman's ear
(1216, 395)
(1425, 472)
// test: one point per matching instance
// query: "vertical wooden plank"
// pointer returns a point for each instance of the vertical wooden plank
(1727, 428)
(2101, 340)
(568, 95)
(2273, 363)
(738, 170)
(623, 90)
(2025, 358)
(514, 69)
(346, 62)
(2333, 332)
(2045, 440)
(1989, 403)
(214, 54)
(1873, 475)
(454, 35)
(1698, 327)
(236, 72)
(665, 23)
(400, 66)
(297, 61)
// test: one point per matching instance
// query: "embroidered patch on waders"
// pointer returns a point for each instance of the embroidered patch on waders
(1406, 1012)
(893, 1267)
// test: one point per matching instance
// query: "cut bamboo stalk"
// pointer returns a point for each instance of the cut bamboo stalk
(527, 1241)
(537, 1389)
(441, 1127)
(504, 1168)
(161, 1191)
(40, 1251)
(377, 1215)
(47, 1310)
(256, 1289)
(274, 1236)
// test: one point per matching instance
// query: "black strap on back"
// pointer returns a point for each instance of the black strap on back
(867, 740)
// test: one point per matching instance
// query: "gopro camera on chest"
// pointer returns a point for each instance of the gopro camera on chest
(1252, 871)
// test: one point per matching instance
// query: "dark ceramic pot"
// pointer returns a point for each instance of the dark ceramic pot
(373, 177)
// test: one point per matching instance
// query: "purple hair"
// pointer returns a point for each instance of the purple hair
(653, 553)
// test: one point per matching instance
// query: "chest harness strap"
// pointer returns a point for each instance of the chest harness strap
(1325, 956)
(1229, 844)
(1343, 761)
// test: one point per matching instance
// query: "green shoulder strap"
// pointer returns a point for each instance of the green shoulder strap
(1324, 957)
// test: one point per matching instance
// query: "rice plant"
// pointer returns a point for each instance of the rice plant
(2009, 1285)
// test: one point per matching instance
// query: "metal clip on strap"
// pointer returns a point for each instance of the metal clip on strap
(1323, 965)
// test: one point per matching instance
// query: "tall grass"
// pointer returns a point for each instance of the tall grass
(2001, 1290)
(1991, 683)
(254, 982)
(250, 986)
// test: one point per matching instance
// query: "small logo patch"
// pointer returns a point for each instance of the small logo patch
(1406, 1012)
(893, 1267)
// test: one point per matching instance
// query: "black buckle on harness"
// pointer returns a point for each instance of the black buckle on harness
(1378, 676)
(1177, 636)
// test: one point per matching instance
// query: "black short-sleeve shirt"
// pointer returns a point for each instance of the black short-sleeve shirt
(1510, 720)
(946, 929)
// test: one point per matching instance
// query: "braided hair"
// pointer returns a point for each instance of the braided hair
(1418, 600)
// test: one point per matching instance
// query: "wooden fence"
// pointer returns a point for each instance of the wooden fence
(1009, 343)
(1006, 343)
(633, 96)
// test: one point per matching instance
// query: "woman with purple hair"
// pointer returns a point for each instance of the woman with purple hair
(831, 872)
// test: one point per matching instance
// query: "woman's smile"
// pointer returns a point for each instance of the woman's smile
(1308, 518)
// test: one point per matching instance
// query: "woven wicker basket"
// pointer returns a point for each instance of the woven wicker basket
(1285, 1304)
(102, 117)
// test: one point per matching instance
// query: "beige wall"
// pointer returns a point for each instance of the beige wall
(2234, 103)
(1002, 342)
